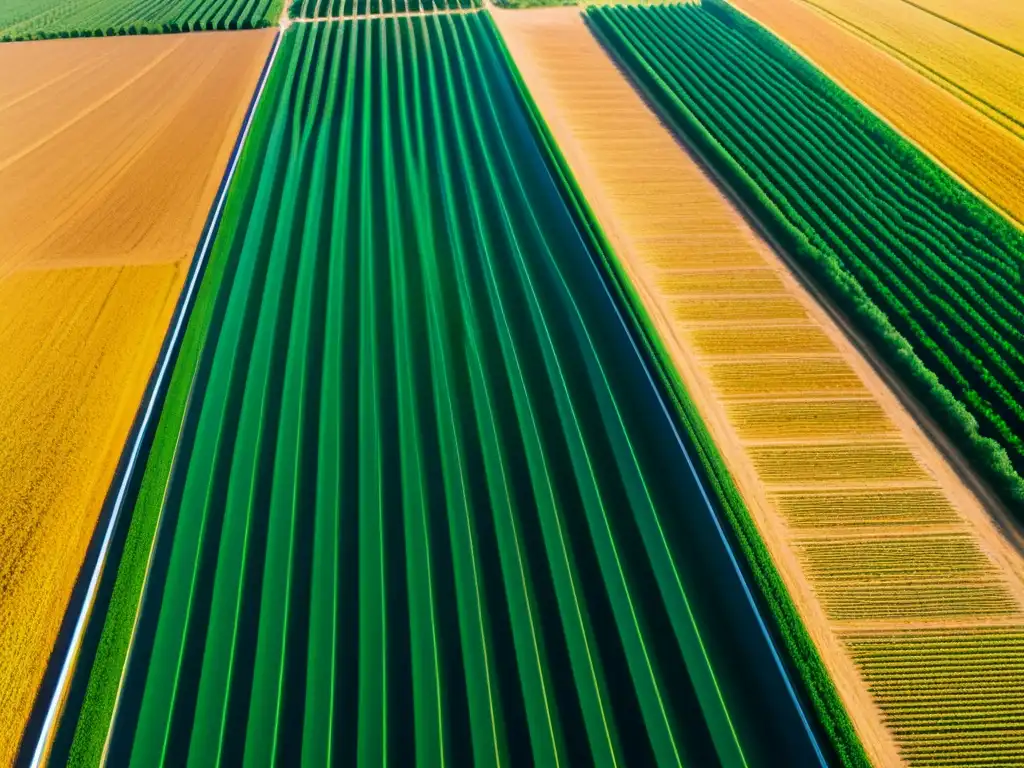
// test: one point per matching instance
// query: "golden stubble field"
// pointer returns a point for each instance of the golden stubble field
(977, 68)
(111, 152)
(940, 103)
(887, 555)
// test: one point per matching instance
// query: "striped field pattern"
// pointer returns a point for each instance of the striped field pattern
(429, 503)
(322, 9)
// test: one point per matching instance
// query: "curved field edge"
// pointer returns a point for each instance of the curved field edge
(92, 720)
(833, 721)
(987, 456)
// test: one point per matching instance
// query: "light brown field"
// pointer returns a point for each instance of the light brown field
(969, 142)
(872, 531)
(111, 152)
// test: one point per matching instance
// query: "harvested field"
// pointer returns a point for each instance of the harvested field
(999, 20)
(739, 281)
(763, 339)
(841, 464)
(869, 508)
(823, 454)
(771, 378)
(810, 418)
(739, 309)
(970, 143)
(986, 75)
(107, 173)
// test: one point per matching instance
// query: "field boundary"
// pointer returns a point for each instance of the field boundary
(989, 456)
(61, 675)
(808, 61)
(790, 627)
(978, 485)
(972, 100)
(711, 473)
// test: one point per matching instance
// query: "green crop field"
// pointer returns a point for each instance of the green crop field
(422, 493)
(31, 20)
(929, 274)
(319, 9)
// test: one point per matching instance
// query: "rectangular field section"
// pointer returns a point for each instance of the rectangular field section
(428, 500)
(38, 19)
(112, 152)
(329, 9)
(929, 274)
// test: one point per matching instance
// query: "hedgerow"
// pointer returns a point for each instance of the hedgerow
(928, 273)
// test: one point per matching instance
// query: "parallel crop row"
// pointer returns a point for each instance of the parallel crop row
(24, 20)
(947, 693)
(320, 9)
(429, 502)
(931, 276)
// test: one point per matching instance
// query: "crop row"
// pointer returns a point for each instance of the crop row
(21, 20)
(425, 488)
(953, 696)
(930, 275)
(319, 9)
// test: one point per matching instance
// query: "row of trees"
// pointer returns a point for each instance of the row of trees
(930, 275)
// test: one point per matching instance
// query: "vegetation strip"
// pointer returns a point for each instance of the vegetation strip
(939, 298)
(333, 9)
(34, 20)
(838, 735)
(134, 451)
(333, 457)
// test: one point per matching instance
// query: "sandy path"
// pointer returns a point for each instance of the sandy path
(861, 480)
(108, 165)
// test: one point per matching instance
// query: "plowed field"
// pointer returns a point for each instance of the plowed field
(111, 152)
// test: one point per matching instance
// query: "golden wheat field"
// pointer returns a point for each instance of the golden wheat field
(970, 143)
(111, 152)
(1001, 21)
(845, 490)
(988, 76)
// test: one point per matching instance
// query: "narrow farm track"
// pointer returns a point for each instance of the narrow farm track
(888, 557)
(430, 502)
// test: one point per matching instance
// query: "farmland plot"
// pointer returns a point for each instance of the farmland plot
(928, 273)
(986, 75)
(110, 155)
(415, 517)
(836, 479)
(38, 19)
(320, 9)
(969, 142)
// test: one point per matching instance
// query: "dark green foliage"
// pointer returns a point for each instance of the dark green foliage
(924, 269)
(431, 465)
(331, 8)
(81, 18)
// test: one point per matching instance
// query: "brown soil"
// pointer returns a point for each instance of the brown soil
(678, 236)
(111, 153)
